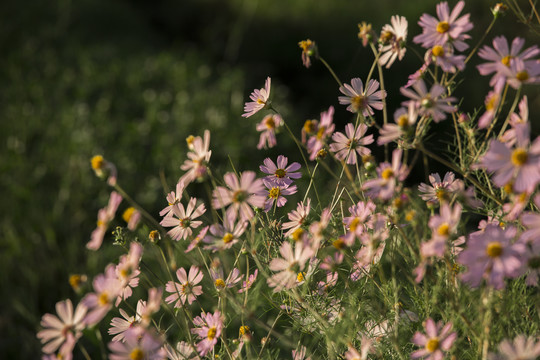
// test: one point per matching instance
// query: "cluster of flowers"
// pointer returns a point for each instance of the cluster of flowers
(326, 242)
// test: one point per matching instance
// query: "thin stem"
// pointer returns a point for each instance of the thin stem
(331, 71)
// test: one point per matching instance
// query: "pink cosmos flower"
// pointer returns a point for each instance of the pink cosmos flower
(226, 235)
(347, 146)
(442, 227)
(330, 263)
(247, 284)
(241, 194)
(491, 255)
(360, 100)
(297, 217)
(105, 216)
(437, 340)
(139, 344)
(492, 102)
(443, 56)
(209, 330)
(516, 120)
(440, 191)
(404, 119)
(384, 186)
(392, 41)
(173, 198)
(259, 100)
(316, 229)
(533, 263)
(219, 279)
(268, 127)
(323, 287)
(183, 351)
(183, 219)
(325, 129)
(107, 288)
(128, 272)
(276, 193)
(531, 222)
(522, 72)
(279, 173)
(361, 217)
(198, 158)
(500, 55)
(519, 166)
(186, 289)
(148, 308)
(197, 239)
(432, 103)
(62, 331)
(289, 266)
(522, 348)
(119, 326)
(448, 28)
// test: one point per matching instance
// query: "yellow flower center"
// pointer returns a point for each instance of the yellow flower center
(387, 173)
(492, 102)
(97, 162)
(128, 214)
(261, 101)
(321, 154)
(427, 102)
(320, 132)
(519, 157)
(270, 123)
(219, 283)
(244, 329)
(443, 229)
(397, 203)
(403, 121)
(522, 75)
(386, 36)
(309, 126)
(494, 249)
(136, 354)
(442, 194)
(185, 222)
(227, 238)
(189, 140)
(410, 215)
(274, 193)
(358, 102)
(186, 287)
(297, 234)
(103, 298)
(509, 188)
(506, 60)
(211, 333)
(154, 235)
(300, 276)
(338, 244)
(437, 51)
(443, 27)
(432, 345)
(354, 224)
(75, 281)
(280, 173)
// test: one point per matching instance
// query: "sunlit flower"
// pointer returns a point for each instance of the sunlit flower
(443, 56)
(347, 146)
(522, 72)
(446, 28)
(209, 327)
(105, 216)
(186, 289)
(259, 100)
(365, 33)
(492, 102)
(220, 282)
(247, 284)
(128, 272)
(173, 198)
(119, 326)
(435, 342)
(440, 191)
(198, 158)
(183, 220)
(392, 41)
(360, 100)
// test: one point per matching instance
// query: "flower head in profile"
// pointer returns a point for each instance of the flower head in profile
(119, 325)
(440, 191)
(309, 49)
(365, 33)
(431, 103)
(522, 348)
(435, 342)
(325, 128)
(443, 56)
(183, 219)
(62, 331)
(105, 216)
(404, 119)
(384, 185)
(362, 100)
(268, 126)
(259, 100)
(447, 28)
(173, 198)
(297, 217)
(492, 255)
(279, 172)
(198, 158)
(240, 194)
(516, 121)
(348, 145)
(392, 41)
(247, 284)
(103, 168)
(209, 327)
(289, 266)
(491, 103)
(186, 289)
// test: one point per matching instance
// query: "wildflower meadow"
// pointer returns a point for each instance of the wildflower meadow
(356, 235)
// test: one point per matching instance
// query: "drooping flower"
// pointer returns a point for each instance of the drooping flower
(519, 166)
(288, 267)
(360, 100)
(347, 146)
(268, 126)
(105, 216)
(241, 194)
(365, 33)
(209, 327)
(139, 343)
(279, 173)
(186, 289)
(432, 103)
(392, 41)
(259, 100)
(404, 119)
(325, 128)
(522, 348)
(103, 168)
(447, 28)
(492, 255)
(309, 48)
(183, 220)
(64, 330)
(501, 54)
(435, 342)
(384, 186)
(198, 158)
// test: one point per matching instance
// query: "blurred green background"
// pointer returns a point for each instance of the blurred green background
(131, 80)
